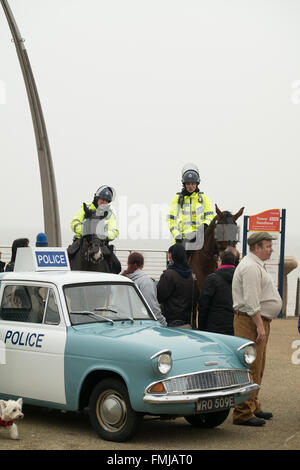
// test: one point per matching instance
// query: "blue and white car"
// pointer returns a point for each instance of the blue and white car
(73, 340)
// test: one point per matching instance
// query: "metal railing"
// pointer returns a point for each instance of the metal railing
(155, 264)
(155, 260)
(5, 251)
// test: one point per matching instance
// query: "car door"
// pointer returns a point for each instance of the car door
(33, 338)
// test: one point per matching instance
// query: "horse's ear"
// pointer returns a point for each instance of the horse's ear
(239, 213)
(219, 213)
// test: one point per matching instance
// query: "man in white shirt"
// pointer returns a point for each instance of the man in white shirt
(256, 302)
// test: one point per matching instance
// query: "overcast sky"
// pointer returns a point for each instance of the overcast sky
(133, 89)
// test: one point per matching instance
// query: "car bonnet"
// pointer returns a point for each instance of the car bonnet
(152, 338)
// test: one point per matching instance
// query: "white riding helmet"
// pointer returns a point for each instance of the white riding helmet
(190, 173)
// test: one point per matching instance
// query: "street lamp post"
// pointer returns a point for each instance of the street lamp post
(50, 202)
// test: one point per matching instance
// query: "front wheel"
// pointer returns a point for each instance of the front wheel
(208, 420)
(110, 411)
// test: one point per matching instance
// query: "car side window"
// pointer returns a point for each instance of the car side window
(16, 304)
(29, 304)
(52, 316)
(38, 299)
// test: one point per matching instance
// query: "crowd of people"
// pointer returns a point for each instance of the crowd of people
(176, 299)
(238, 298)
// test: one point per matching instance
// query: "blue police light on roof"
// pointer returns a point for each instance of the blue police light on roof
(53, 259)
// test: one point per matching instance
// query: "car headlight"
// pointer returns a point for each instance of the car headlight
(164, 363)
(249, 353)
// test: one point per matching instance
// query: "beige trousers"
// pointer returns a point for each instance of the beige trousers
(245, 328)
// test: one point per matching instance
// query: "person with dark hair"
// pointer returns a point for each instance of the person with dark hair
(18, 298)
(135, 264)
(18, 243)
(177, 290)
(2, 264)
(215, 311)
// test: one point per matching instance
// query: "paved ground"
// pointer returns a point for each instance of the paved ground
(43, 429)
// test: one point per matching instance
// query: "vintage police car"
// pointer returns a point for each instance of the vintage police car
(74, 340)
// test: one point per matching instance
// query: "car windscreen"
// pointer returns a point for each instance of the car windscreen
(104, 302)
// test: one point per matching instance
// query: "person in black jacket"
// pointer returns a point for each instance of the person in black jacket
(215, 310)
(2, 264)
(177, 290)
(18, 243)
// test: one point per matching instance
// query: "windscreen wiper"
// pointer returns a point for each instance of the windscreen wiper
(105, 309)
(101, 309)
(96, 315)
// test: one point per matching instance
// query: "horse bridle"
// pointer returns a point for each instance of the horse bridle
(93, 252)
(224, 237)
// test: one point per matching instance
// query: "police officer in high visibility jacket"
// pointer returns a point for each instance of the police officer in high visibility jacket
(100, 206)
(190, 210)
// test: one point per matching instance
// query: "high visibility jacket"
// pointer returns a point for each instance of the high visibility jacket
(110, 224)
(187, 213)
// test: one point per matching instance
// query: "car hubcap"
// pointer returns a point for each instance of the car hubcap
(111, 411)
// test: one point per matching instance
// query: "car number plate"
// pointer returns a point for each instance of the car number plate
(215, 404)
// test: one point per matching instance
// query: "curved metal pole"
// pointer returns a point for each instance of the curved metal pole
(50, 202)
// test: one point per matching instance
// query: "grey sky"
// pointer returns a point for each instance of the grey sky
(133, 89)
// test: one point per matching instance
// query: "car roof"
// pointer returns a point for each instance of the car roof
(63, 277)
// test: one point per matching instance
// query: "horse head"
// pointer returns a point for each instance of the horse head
(92, 248)
(226, 229)
(221, 233)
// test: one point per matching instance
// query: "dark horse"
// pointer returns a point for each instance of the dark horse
(219, 235)
(86, 254)
(90, 253)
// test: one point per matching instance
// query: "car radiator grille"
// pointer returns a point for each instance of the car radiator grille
(209, 380)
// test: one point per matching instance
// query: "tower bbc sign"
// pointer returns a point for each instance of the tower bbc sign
(267, 221)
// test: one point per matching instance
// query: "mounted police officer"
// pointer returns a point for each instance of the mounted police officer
(98, 219)
(100, 207)
(190, 211)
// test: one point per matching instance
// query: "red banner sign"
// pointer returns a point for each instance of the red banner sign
(267, 221)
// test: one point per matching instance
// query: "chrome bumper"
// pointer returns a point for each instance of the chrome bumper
(194, 397)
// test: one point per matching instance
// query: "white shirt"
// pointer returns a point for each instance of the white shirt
(253, 289)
